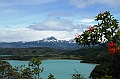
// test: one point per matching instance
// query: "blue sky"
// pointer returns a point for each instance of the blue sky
(28, 20)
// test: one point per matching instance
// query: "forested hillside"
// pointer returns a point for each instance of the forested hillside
(95, 54)
(28, 51)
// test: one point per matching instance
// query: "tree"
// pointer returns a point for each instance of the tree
(31, 72)
(106, 33)
(76, 75)
(34, 66)
(4, 69)
(23, 71)
(51, 76)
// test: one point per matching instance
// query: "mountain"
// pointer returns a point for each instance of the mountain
(46, 42)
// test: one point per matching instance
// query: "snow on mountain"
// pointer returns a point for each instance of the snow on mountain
(50, 39)
(46, 42)
(55, 40)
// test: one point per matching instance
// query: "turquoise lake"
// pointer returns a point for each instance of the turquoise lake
(61, 69)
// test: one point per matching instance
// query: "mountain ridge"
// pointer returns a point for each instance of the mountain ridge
(45, 42)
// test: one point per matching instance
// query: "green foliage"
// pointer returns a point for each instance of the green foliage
(101, 70)
(4, 69)
(34, 65)
(24, 72)
(28, 51)
(107, 77)
(93, 54)
(106, 30)
(106, 33)
(21, 72)
(51, 76)
(76, 75)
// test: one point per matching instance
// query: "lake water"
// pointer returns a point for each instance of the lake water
(61, 69)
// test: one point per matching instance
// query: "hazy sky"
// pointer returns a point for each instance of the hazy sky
(28, 20)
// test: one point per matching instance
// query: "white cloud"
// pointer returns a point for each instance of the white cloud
(60, 13)
(87, 20)
(78, 3)
(23, 2)
(8, 11)
(110, 3)
(55, 25)
(85, 3)
(25, 34)
(60, 28)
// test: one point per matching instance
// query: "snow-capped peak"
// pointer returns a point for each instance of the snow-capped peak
(50, 39)
(53, 39)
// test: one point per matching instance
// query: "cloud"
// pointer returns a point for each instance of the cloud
(19, 34)
(78, 3)
(7, 11)
(60, 13)
(14, 35)
(23, 2)
(60, 28)
(110, 3)
(55, 25)
(85, 3)
(6, 26)
(26, 34)
(87, 20)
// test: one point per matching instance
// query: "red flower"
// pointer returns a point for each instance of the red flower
(77, 36)
(111, 44)
(113, 49)
(102, 13)
(91, 28)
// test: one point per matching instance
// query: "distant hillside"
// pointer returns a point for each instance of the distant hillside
(95, 54)
(51, 42)
(29, 51)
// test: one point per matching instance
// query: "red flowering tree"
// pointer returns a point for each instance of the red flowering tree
(105, 33)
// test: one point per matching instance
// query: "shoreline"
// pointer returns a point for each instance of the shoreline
(60, 57)
(28, 57)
